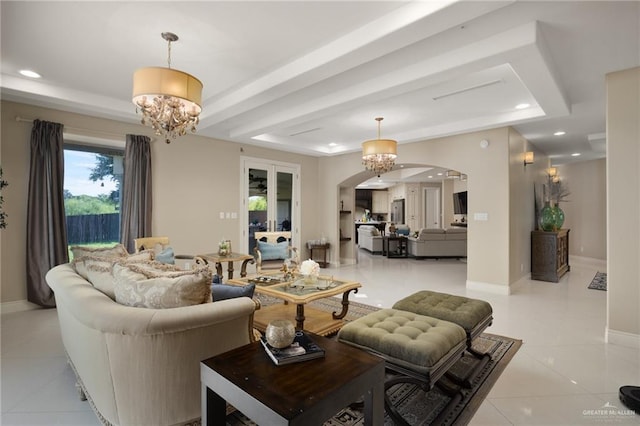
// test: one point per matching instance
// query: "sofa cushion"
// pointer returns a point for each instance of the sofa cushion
(273, 251)
(432, 234)
(456, 234)
(225, 291)
(146, 287)
(368, 230)
(117, 250)
(456, 230)
(99, 270)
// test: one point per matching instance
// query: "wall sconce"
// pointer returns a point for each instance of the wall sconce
(528, 158)
(463, 177)
(453, 174)
(552, 171)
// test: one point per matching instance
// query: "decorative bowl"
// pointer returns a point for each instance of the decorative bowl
(280, 333)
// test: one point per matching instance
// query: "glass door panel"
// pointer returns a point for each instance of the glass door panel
(257, 205)
(270, 200)
(284, 201)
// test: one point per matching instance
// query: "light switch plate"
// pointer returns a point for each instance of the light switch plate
(481, 216)
(221, 215)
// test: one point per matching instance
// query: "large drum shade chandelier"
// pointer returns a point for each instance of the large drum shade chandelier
(379, 155)
(169, 100)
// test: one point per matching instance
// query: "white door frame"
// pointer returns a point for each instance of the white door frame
(273, 167)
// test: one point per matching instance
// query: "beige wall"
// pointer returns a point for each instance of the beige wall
(586, 211)
(195, 178)
(522, 202)
(623, 207)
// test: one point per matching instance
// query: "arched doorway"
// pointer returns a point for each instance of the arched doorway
(426, 192)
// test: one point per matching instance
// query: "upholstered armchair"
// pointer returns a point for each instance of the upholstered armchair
(273, 249)
(163, 250)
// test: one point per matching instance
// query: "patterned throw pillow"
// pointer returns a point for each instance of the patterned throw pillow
(117, 250)
(145, 287)
(98, 270)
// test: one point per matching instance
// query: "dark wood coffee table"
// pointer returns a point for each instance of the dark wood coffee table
(304, 393)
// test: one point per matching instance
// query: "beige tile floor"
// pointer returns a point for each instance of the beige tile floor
(562, 375)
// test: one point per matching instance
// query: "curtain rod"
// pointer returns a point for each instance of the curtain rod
(116, 136)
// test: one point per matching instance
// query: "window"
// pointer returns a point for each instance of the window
(92, 193)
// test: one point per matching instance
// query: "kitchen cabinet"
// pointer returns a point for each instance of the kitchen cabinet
(380, 202)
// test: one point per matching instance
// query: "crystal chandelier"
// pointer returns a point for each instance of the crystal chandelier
(169, 100)
(379, 155)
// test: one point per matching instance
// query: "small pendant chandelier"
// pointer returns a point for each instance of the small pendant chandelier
(169, 100)
(379, 155)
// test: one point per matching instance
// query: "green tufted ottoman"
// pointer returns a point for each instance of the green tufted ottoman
(419, 347)
(471, 314)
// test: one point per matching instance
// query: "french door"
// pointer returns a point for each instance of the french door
(270, 202)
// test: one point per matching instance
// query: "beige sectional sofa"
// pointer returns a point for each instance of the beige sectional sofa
(437, 243)
(141, 366)
(369, 238)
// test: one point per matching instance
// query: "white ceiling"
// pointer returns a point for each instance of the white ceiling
(301, 75)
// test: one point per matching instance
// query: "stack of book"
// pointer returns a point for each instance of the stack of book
(303, 348)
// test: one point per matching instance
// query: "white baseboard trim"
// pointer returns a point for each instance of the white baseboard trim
(622, 338)
(17, 306)
(489, 287)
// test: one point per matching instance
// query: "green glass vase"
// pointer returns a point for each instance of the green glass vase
(558, 217)
(547, 218)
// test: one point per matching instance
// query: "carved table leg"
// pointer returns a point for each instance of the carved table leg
(230, 270)
(243, 269)
(219, 269)
(300, 316)
(345, 304)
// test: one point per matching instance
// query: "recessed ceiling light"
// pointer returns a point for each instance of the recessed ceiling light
(333, 144)
(560, 133)
(522, 106)
(430, 177)
(439, 174)
(30, 74)
(575, 154)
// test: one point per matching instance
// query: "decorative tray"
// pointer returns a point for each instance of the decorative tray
(266, 280)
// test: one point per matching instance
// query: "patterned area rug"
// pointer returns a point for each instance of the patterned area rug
(599, 282)
(435, 406)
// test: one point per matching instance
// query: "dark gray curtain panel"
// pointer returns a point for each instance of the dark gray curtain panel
(46, 222)
(136, 191)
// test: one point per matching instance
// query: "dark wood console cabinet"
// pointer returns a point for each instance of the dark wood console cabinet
(549, 255)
